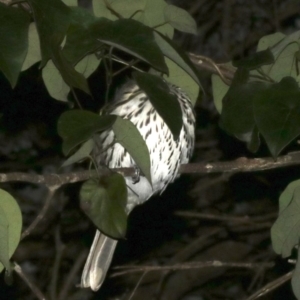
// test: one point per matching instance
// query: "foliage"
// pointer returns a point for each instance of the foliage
(263, 100)
(69, 43)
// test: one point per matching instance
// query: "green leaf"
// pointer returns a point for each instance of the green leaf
(180, 19)
(283, 48)
(285, 232)
(219, 89)
(128, 35)
(34, 50)
(165, 103)
(52, 20)
(130, 138)
(83, 152)
(255, 60)
(10, 228)
(56, 86)
(77, 126)
(80, 40)
(237, 116)
(182, 79)
(13, 47)
(70, 76)
(296, 277)
(175, 54)
(287, 195)
(276, 112)
(104, 201)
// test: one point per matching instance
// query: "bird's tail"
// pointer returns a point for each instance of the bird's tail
(98, 261)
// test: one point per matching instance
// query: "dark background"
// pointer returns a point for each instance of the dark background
(157, 235)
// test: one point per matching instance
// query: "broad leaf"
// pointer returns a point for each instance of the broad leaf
(296, 277)
(70, 76)
(130, 138)
(285, 233)
(182, 79)
(52, 19)
(174, 53)
(77, 126)
(276, 112)
(128, 35)
(287, 195)
(165, 103)
(255, 60)
(10, 228)
(13, 46)
(83, 152)
(104, 201)
(180, 19)
(34, 50)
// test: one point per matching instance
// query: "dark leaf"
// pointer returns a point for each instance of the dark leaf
(165, 103)
(14, 41)
(70, 76)
(256, 60)
(52, 19)
(276, 113)
(104, 201)
(77, 126)
(130, 138)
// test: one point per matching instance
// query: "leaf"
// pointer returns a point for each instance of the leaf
(255, 60)
(77, 126)
(285, 232)
(180, 19)
(175, 54)
(130, 138)
(237, 116)
(10, 228)
(287, 195)
(183, 80)
(283, 48)
(104, 201)
(56, 86)
(70, 76)
(296, 277)
(34, 50)
(52, 20)
(219, 89)
(165, 103)
(80, 40)
(132, 37)
(14, 43)
(83, 152)
(276, 112)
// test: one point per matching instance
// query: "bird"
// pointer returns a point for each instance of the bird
(166, 156)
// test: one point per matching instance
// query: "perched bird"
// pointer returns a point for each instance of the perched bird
(166, 156)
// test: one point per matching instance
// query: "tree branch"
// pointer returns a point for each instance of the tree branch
(242, 164)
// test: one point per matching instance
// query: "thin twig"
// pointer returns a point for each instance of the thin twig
(190, 266)
(41, 214)
(137, 285)
(72, 274)
(271, 286)
(36, 291)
